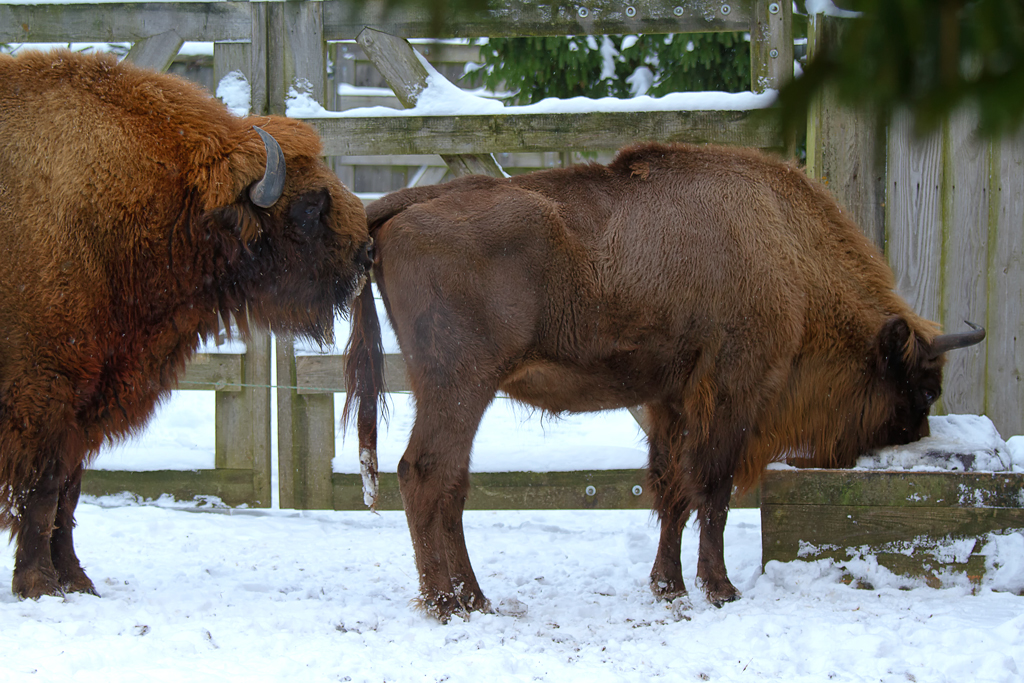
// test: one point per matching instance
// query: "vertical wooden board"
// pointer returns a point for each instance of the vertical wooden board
(229, 58)
(297, 54)
(914, 215)
(257, 70)
(771, 45)
(313, 429)
(1005, 388)
(965, 259)
(259, 417)
(286, 394)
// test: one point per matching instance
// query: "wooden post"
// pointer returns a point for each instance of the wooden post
(296, 59)
(296, 52)
(243, 420)
(398, 63)
(1004, 401)
(771, 45)
(305, 437)
(845, 146)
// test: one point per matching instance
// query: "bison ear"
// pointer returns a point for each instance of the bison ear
(891, 346)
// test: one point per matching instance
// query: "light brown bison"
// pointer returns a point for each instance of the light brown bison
(719, 288)
(133, 209)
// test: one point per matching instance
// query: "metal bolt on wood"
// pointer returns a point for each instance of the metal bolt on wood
(590, 490)
(774, 54)
(678, 11)
(631, 11)
(583, 12)
(774, 8)
(637, 490)
(726, 9)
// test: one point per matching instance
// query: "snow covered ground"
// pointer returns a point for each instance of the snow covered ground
(280, 595)
(325, 596)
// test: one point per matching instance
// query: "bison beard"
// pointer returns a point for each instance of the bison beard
(719, 288)
(133, 210)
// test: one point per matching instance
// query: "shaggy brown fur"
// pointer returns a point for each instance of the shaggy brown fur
(126, 227)
(719, 288)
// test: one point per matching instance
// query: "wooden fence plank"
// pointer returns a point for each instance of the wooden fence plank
(326, 374)
(233, 486)
(596, 131)
(884, 488)
(845, 146)
(965, 259)
(344, 19)
(1005, 366)
(156, 52)
(288, 451)
(850, 526)
(218, 371)
(297, 57)
(124, 22)
(771, 45)
(612, 490)
(914, 215)
(305, 432)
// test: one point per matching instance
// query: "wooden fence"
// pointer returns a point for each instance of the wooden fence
(948, 209)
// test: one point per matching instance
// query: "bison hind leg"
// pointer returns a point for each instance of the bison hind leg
(711, 572)
(673, 509)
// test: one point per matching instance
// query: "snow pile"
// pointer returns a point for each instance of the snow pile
(958, 443)
(234, 91)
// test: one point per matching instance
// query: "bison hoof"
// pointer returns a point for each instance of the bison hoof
(32, 584)
(667, 589)
(443, 607)
(80, 584)
(719, 593)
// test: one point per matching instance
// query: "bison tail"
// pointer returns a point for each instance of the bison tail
(364, 374)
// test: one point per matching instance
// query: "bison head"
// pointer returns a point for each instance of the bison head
(295, 245)
(910, 370)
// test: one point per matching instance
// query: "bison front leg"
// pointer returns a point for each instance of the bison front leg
(433, 478)
(34, 573)
(69, 570)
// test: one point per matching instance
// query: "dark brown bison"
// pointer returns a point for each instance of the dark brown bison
(133, 209)
(719, 288)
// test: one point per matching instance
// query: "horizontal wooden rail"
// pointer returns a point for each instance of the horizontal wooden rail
(217, 371)
(326, 374)
(543, 132)
(581, 490)
(125, 22)
(232, 486)
(343, 20)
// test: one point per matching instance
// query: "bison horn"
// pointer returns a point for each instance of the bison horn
(268, 190)
(948, 342)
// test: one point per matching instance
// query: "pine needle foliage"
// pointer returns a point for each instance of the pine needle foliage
(615, 66)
